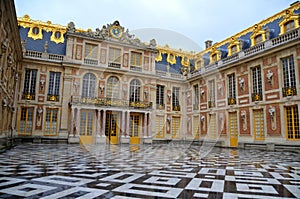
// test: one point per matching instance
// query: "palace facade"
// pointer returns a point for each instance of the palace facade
(108, 87)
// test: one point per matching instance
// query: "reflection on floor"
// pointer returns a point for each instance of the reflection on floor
(147, 171)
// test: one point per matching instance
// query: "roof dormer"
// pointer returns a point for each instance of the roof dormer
(258, 35)
(290, 21)
(234, 46)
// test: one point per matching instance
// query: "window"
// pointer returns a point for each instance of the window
(115, 55)
(54, 84)
(214, 57)
(292, 123)
(289, 77)
(233, 128)
(135, 91)
(160, 95)
(29, 84)
(211, 97)
(233, 49)
(196, 126)
(256, 84)
(175, 127)
(91, 51)
(136, 59)
(26, 121)
(290, 25)
(258, 116)
(212, 126)
(88, 85)
(196, 97)
(35, 30)
(113, 88)
(57, 35)
(231, 89)
(175, 99)
(258, 39)
(51, 121)
(86, 123)
(160, 126)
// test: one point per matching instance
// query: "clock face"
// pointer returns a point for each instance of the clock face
(116, 31)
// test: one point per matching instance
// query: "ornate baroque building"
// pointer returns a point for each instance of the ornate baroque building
(106, 86)
(10, 66)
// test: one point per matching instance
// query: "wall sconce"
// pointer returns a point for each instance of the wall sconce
(269, 76)
(4, 46)
(42, 83)
(272, 111)
(242, 83)
(146, 94)
(169, 119)
(202, 118)
(202, 92)
(101, 87)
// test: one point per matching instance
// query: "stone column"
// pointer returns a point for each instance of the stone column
(98, 123)
(71, 132)
(66, 97)
(78, 123)
(103, 123)
(123, 123)
(145, 125)
(127, 124)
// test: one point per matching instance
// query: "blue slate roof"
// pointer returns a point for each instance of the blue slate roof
(38, 45)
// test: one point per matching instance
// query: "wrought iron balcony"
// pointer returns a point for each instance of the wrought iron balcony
(231, 101)
(110, 102)
(211, 104)
(289, 91)
(114, 65)
(256, 97)
(54, 98)
(176, 108)
(28, 96)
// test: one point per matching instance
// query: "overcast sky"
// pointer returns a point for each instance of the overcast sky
(189, 22)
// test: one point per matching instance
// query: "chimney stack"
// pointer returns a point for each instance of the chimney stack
(208, 43)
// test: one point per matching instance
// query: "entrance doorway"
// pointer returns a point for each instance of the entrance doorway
(135, 120)
(111, 128)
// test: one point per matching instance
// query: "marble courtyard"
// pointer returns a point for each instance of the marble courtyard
(147, 171)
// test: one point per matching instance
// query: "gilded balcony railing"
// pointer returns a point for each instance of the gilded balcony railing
(211, 104)
(28, 96)
(289, 91)
(176, 108)
(111, 102)
(256, 97)
(53, 98)
(160, 106)
(231, 101)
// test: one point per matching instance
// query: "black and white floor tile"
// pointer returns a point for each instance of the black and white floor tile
(147, 171)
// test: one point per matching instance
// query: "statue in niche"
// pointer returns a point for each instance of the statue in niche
(71, 27)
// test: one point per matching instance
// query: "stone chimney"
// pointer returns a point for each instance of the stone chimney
(208, 43)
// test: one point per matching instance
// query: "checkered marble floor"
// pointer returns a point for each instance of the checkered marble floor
(147, 171)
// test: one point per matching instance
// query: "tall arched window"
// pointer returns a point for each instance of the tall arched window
(88, 85)
(113, 87)
(135, 91)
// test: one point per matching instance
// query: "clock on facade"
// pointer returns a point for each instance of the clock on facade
(116, 31)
